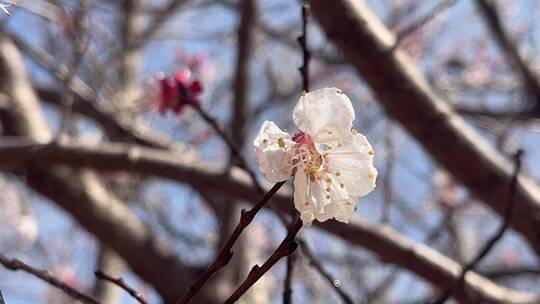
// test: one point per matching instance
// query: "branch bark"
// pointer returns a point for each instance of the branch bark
(241, 80)
(82, 194)
(531, 82)
(408, 98)
(381, 239)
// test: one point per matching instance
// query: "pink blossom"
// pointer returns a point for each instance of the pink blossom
(177, 92)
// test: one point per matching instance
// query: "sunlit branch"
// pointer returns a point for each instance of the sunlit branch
(225, 254)
(492, 240)
(286, 248)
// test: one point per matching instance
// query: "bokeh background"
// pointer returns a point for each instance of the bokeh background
(86, 70)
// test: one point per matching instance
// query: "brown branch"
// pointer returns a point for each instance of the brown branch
(237, 155)
(304, 72)
(47, 277)
(287, 283)
(116, 126)
(286, 248)
(511, 272)
(226, 253)
(120, 283)
(447, 137)
(306, 55)
(528, 75)
(492, 240)
(241, 80)
(313, 262)
(388, 244)
(109, 262)
(81, 193)
(418, 24)
(77, 33)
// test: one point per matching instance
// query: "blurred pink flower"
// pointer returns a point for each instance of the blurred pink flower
(177, 92)
(68, 275)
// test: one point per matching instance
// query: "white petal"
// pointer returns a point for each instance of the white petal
(320, 200)
(326, 114)
(301, 202)
(353, 162)
(273, 148)
(342, 210)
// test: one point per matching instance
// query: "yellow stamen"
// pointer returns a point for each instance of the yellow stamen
(354, 132)
(338, 173)
(281, 142)
(371, 152)
(265, 141)
(370, 176)
(303, 93)
(328, 180)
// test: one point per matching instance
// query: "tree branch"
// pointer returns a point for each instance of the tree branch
(81, 193)
(46, 277)
(408, 98)
(493, 240)
(225, 254)
(530, 79)
(381, 239)
(120, 283)
(241, 80)
(347, 299)
(286, 248)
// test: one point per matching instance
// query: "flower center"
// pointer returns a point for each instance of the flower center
(303, 138)
(307, 156)
(314, 163)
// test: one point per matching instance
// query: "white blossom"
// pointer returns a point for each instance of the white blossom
(332, 163)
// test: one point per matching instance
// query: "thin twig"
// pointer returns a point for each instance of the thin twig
(120, 283)
(2, 298)
(304, 72)
(346, 298)
(237, 156)
(287, 284)
(77, 34)
(302, 40)
(531, 82)
(494, 239)
(387, 179)
(225, 253)
(286, 248)
(416, 25)
(15, 265)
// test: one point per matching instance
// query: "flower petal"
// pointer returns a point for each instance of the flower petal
(326, 114)
(301, 202)
(342, 210)
(320, 199)
(273, 148)
(352, 163)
